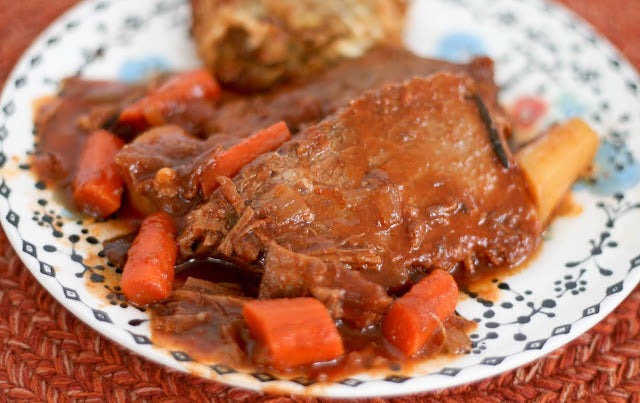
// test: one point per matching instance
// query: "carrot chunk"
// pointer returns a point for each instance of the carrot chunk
(295, 331)
(97, 185)
(414, 317)
(176, 91)
(233, 159)
(148, 274)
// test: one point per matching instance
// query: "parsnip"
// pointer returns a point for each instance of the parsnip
(554, 161)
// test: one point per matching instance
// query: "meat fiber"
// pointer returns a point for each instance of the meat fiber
(308, 100)
(402, 181)
(299, 105)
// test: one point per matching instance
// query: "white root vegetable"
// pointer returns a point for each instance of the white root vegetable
(553, 162)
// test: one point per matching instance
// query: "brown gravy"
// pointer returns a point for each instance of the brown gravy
(89, 106)
(209, 341)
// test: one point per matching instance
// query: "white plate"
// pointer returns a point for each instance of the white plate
(550, 64)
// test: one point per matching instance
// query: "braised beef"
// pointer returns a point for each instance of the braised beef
(207, 317)
(215, 271)
(405, 179)
(116, 249)
(348, 295)
(352, 211)
(162, 167)
(84, 106)
(305, 102)
(64, 122)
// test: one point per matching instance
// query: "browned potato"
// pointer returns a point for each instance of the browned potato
(253, 44)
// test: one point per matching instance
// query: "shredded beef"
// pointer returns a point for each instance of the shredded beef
(306, 101)
(404, 179)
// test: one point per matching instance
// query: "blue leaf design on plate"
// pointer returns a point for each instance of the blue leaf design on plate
(137, 69)
(617, 170)
(460, 46)
(568, 106)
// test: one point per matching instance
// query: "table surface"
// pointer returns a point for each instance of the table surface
(46, 354)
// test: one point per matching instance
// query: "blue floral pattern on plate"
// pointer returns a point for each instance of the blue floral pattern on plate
(460, 46)
(134, 70)
(616, 170)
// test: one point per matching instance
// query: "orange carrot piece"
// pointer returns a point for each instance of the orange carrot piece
(148, 274)
(179, 89)
(233, 159)
(97, 185)
(295, 331)
(414, 317)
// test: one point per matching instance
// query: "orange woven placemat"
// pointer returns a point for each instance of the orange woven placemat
(46, 354)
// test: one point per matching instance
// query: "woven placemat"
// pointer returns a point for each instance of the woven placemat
(46, 354)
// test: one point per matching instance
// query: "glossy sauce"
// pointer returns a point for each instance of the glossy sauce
(211, 341)
(64, 122)
(484, 282)
(213, 329)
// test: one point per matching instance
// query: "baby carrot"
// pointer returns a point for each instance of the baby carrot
(233, 159)
(414, 317)
(148, 273)
(176, 92)
(97, 185)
